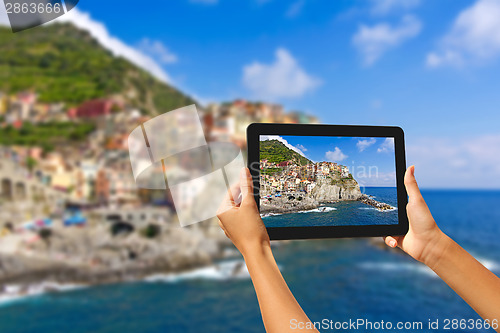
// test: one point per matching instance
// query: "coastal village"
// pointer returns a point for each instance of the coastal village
(70, 206)
(290, 177)
(289, 182)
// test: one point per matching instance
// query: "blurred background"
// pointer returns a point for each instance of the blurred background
(83, 249)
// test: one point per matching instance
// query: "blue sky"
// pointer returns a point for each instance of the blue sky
(370, 160)
(431, 67)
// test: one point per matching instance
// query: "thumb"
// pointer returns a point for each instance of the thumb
(411, 184)
(246, 183)
(391, 241)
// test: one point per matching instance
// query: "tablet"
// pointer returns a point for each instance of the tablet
(328, 181)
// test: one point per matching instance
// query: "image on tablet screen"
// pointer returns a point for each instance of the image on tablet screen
(327, 181)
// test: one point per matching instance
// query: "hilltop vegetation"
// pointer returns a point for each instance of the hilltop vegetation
(276, 152)
(46, 135)
(65, 64)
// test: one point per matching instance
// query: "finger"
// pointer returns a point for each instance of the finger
(246, 183)
(391, 241)
(411, 184)
(235, 190)
(227, 203)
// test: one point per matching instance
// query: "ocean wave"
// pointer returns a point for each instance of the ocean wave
(397, 266)
(318, 210)
(13, 292)
(268, 214)
(234, 269)
(417, 267)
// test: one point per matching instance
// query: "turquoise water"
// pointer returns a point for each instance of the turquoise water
(334, 279)
(344, 213)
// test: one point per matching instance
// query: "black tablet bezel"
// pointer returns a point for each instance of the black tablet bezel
(281, 233)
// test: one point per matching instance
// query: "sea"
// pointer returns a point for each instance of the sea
(337, 280)
(342, 212)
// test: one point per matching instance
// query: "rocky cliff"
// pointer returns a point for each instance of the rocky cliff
(347, 190)
(292, 203)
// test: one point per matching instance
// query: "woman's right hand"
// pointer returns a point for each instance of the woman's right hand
(424, 239)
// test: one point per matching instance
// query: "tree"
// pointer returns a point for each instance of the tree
(31, 163)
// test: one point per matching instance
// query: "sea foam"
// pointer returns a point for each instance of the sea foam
(269, 214)
(417, 267)
(318, 210)
(233, 269)
(14, 292)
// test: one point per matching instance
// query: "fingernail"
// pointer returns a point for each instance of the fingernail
(413, 171)
(392, 243)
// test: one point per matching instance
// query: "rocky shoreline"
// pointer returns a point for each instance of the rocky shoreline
(285, 205)
(321, 194)
(91, 256)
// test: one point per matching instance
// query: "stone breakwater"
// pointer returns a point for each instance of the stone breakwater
(376, 204)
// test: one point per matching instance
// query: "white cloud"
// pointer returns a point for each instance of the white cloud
(363, 144)
(382, 7)
(283, 141)
(386, 146)
(157, 50)
(301, 147)
(283, 78)
(295, 8)
(474, 36)
(374, 41)
(445, 57)
(99, 31)
(472, 162)
(335, 156)
(374, 178)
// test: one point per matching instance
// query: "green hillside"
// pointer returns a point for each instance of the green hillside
(64, 63)
(275, 152)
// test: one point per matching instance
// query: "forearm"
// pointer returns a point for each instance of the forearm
(479, 287)
(277, 304)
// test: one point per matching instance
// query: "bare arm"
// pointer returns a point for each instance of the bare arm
(425, 242)
(243, 225)
(277, 304)
(479, 287)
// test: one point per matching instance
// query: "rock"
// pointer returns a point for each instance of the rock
(91, 255)
(328, 193)
(374, 203)
(283, 205)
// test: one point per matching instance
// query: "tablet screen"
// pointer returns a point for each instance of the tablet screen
(327, 181)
